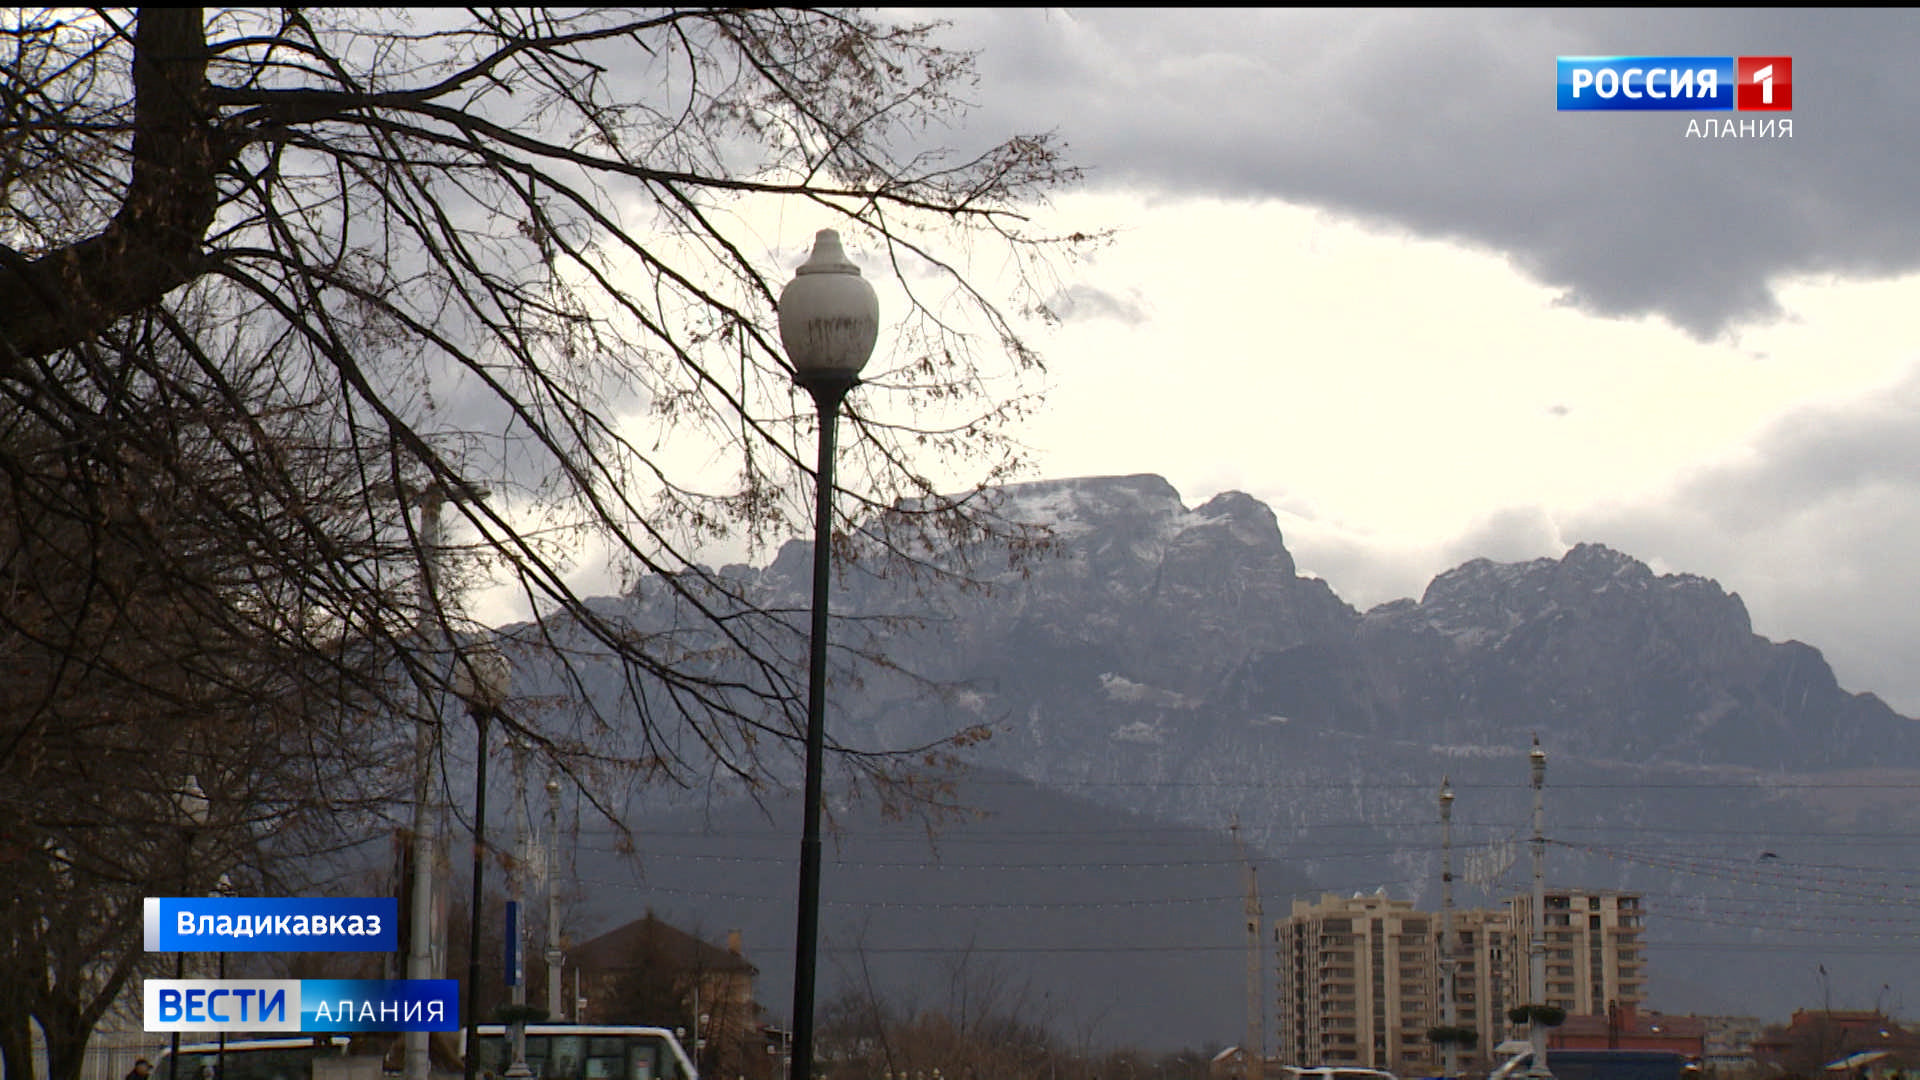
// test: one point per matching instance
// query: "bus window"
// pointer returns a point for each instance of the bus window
(606, 1058)
(587, 1053)
(250, 1059)
(563, 1060)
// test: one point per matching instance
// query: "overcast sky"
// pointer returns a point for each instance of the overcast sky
(1368, 274)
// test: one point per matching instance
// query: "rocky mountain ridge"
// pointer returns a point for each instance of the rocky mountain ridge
(1205, 607)
(1173, 662)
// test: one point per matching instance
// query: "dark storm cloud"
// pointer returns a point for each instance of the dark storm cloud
(1444, 124)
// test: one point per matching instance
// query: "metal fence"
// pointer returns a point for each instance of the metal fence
(109, 1056)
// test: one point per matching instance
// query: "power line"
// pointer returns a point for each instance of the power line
(1756, 783)
(1186, 834)
(945, 905)
(1753, 874)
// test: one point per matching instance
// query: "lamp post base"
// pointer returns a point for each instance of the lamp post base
(517, 1038)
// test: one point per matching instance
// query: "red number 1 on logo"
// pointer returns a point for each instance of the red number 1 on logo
(1765, 83)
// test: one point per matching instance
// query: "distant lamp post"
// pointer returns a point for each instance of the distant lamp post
(554, 955)
(829, 320)
(481, 678)
(516, 970)
(1537, 945)
(223, 887)
(191, 803)
(1449, 1014)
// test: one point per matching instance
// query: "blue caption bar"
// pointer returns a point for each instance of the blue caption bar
(1691, 83)
(280, 924)
(304, 1005)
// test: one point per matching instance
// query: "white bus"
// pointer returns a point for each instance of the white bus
(586, 1052)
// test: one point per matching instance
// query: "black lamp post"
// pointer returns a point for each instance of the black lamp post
(223, 887)
(191, 802)
(480, 678)
(1537, 946)
(829, 320)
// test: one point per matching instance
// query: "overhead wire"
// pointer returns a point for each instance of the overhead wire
(1831, 901)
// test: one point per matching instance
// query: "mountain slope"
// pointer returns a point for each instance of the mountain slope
(1172, 662)
(1105, 924)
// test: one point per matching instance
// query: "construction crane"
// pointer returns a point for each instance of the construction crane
(1254, 1051)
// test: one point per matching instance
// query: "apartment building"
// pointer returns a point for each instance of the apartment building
(1359, 978)
(1483, 948)
(1358, 983)
(1595, 952)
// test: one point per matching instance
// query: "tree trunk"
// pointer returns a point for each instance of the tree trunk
(66, 1038)
(152, 245)
(16, 1044)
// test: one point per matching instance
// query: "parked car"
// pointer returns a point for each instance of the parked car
(1338, 1072)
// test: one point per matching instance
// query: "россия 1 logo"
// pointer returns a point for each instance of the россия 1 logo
(1690, 83)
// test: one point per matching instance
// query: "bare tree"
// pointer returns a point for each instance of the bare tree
(172, 714)
(267, 276)
(992, 1023)
(546, 219)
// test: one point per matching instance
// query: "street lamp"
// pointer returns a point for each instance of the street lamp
(1537, 945)
(223, 887)
(426, 952)
(554, 955)
(829, 320)
(1449, 1015)
(480, 678)
(191, 803)
(516, 974)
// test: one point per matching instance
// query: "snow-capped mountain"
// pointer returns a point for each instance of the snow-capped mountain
(1173, 662)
